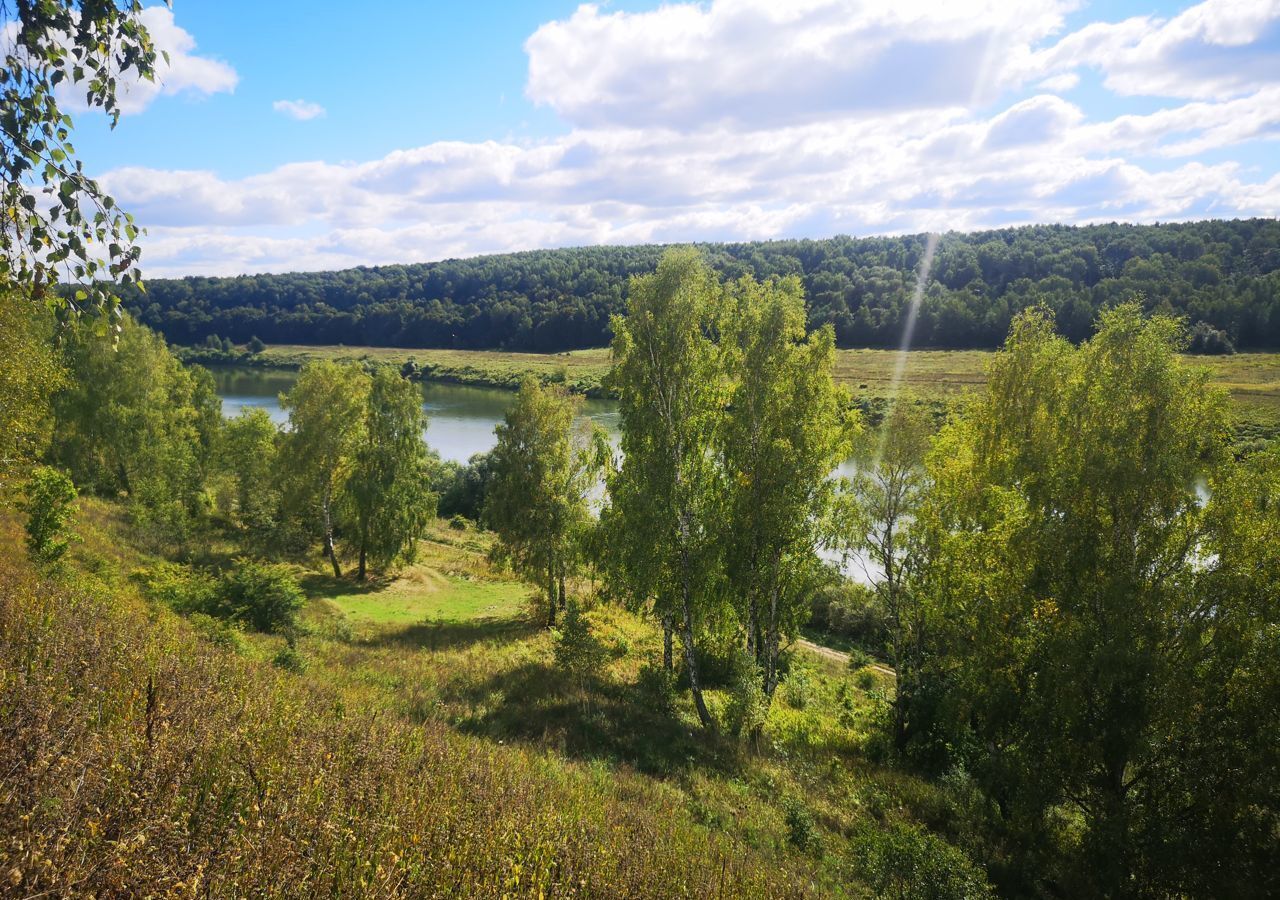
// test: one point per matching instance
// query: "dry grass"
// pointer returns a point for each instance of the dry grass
(137, 759)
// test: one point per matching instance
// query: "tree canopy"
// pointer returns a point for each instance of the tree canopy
(1222, 274)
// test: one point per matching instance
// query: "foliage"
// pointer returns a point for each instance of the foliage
(462, 488)
(49, 500)
(388, 490)
(890, 483)
(182, 588)
(1224, 273)
(661, 523)
(578, 651)
(536, 500)
(905, 862)
(133, 420)
(56, 217)
(30, 374)
(262, 596)
(327, 423)
(130, 738)
(786, 427)
(801, 829)
(250, 453)
(748, 707)
(1078, 603)
(847, 610)
(290, 660)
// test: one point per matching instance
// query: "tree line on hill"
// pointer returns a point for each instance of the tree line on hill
(1223, 276)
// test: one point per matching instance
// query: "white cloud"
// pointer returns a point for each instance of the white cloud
(302, 110)
(1060, 84)
(185, 72)
(1215, 50)
(760, 62)
(746, 119)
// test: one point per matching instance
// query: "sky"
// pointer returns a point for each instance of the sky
(292, 136)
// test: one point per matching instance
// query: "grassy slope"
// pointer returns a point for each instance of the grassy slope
(1252, 379)
(138, 757)
(431, 727)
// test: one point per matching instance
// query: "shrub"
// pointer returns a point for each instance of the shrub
(578, 652)
(458, 523)
(181, 588)
(48, 500)
(217, 632)
(851, 610)
(255, 345)
(1204, 338)
(748, 707)
(802, 831)
(858, 659)
(289, 659)
(265, 597)
(657, 687)
(908, 863)
(798, 689)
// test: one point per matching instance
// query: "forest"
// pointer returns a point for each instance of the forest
(1223, 276)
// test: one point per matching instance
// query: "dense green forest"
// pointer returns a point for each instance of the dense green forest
(1224, 274)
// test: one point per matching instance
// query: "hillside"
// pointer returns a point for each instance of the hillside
(422, 742)
(1225, 274)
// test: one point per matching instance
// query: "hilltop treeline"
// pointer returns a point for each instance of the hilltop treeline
(1225, 275)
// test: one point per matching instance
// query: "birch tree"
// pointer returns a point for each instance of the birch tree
(664, 497)
(537, 497)
(389, 490)
(326, 428)
(786, 428)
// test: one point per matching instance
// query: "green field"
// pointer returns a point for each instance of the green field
(1251, 379)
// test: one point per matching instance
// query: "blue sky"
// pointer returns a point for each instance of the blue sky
(296, 136)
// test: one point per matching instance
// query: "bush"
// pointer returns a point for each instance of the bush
(217, 632)
(48, 499)
(255, 345)
(181, 588)
(748, 707)
(802, 831)
(578, 652)
(1204, 338)
(458, 523)
(908, 863)
(265, 597)
(850, 610)
(657, 688)
(797, 689)
(289, 659)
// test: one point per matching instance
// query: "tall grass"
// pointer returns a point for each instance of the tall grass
(137, 758)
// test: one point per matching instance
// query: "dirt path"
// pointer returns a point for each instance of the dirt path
(840, 656)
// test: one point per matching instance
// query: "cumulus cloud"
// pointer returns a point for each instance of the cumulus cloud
(748, 119)
(1214, 50)
(302, 110)
(766, 63)
(185, 72)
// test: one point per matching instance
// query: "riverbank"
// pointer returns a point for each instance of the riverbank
(938, 376)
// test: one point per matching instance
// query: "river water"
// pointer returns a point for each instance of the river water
(460, 419)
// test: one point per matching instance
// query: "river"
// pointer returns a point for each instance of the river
(460, 418)
(460, 422)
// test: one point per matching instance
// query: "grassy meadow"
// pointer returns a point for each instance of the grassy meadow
(421, 733)
(1252, 380)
